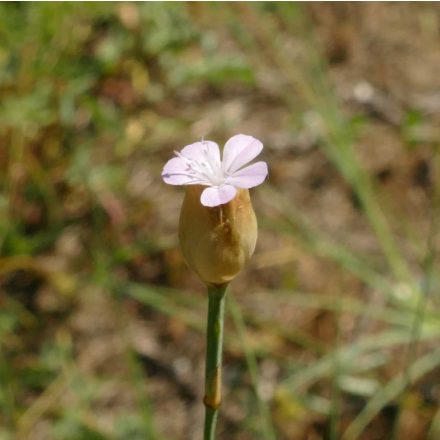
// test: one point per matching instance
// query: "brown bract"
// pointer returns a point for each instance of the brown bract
(217, 242)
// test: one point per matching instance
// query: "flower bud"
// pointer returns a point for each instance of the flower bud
(217, 241)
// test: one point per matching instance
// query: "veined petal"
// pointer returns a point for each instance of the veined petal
(196, 151)
(175, 172)
(239, 150)
(250, 176)
(214, 196)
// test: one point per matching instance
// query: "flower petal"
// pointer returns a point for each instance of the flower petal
(199, 150)
(239, 150)
(214, 196)
(175, 172)
(250, 176)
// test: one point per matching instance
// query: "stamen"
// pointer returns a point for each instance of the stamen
(207, 170)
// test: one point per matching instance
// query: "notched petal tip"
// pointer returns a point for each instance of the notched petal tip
(240, 150)
(250, 176)
(215, 196)
(196, 150)
(175, 172)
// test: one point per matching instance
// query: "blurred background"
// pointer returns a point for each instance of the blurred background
(332, 331)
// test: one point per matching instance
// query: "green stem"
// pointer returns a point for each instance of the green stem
(214, 348)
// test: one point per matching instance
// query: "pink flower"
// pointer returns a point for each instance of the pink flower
(200, 164)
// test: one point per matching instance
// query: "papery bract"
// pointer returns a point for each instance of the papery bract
(217, 241)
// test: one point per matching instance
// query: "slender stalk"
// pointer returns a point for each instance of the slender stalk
(214, 348)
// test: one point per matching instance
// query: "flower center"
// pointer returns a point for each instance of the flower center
(205, 169)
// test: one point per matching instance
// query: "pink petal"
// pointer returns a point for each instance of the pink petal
(239, 150)
(175, 172)
(214, 196)
(250, 176)
(196, 151)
